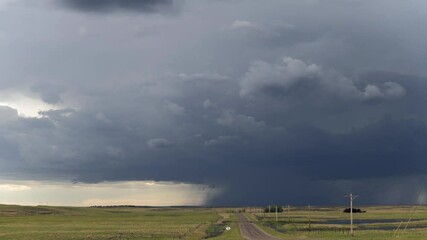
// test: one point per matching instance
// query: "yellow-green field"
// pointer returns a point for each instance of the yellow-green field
(48, 223)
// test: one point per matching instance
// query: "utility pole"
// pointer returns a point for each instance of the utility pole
(289, 213)
(309, 218)
(276, 213)
(263, 210)
(351, 197)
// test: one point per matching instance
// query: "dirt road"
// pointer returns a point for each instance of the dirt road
(252, 232)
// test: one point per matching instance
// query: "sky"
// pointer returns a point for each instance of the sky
(213, 102)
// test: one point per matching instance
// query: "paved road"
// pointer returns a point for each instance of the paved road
(252, 232)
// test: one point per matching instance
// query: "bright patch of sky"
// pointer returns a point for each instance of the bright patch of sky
(141, 193)
(25, 105)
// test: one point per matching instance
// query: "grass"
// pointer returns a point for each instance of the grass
(234, 233)
(68, 223)
(71, 223)
(378, 223)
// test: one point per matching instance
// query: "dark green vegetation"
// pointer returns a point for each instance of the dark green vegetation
(273, 209)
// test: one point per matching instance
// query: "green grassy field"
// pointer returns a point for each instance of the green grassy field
(377, 223)
(18, 223)
(48, 223)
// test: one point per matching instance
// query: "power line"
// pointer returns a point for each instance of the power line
(406, 226)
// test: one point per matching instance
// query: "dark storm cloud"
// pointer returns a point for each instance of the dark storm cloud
(256, 99)
(388, 148)
(225, 148)
(228, 139)
(120, 5)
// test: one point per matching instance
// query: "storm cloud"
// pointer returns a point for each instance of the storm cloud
(255, 99)
(146, 6)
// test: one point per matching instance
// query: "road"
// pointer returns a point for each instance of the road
(252, 232)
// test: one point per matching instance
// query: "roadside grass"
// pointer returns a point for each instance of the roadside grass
(234, 233)
(378, 223)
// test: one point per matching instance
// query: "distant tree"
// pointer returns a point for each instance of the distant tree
(273, 209)
(355, 210)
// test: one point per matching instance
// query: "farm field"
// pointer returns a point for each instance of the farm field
(48, 223)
